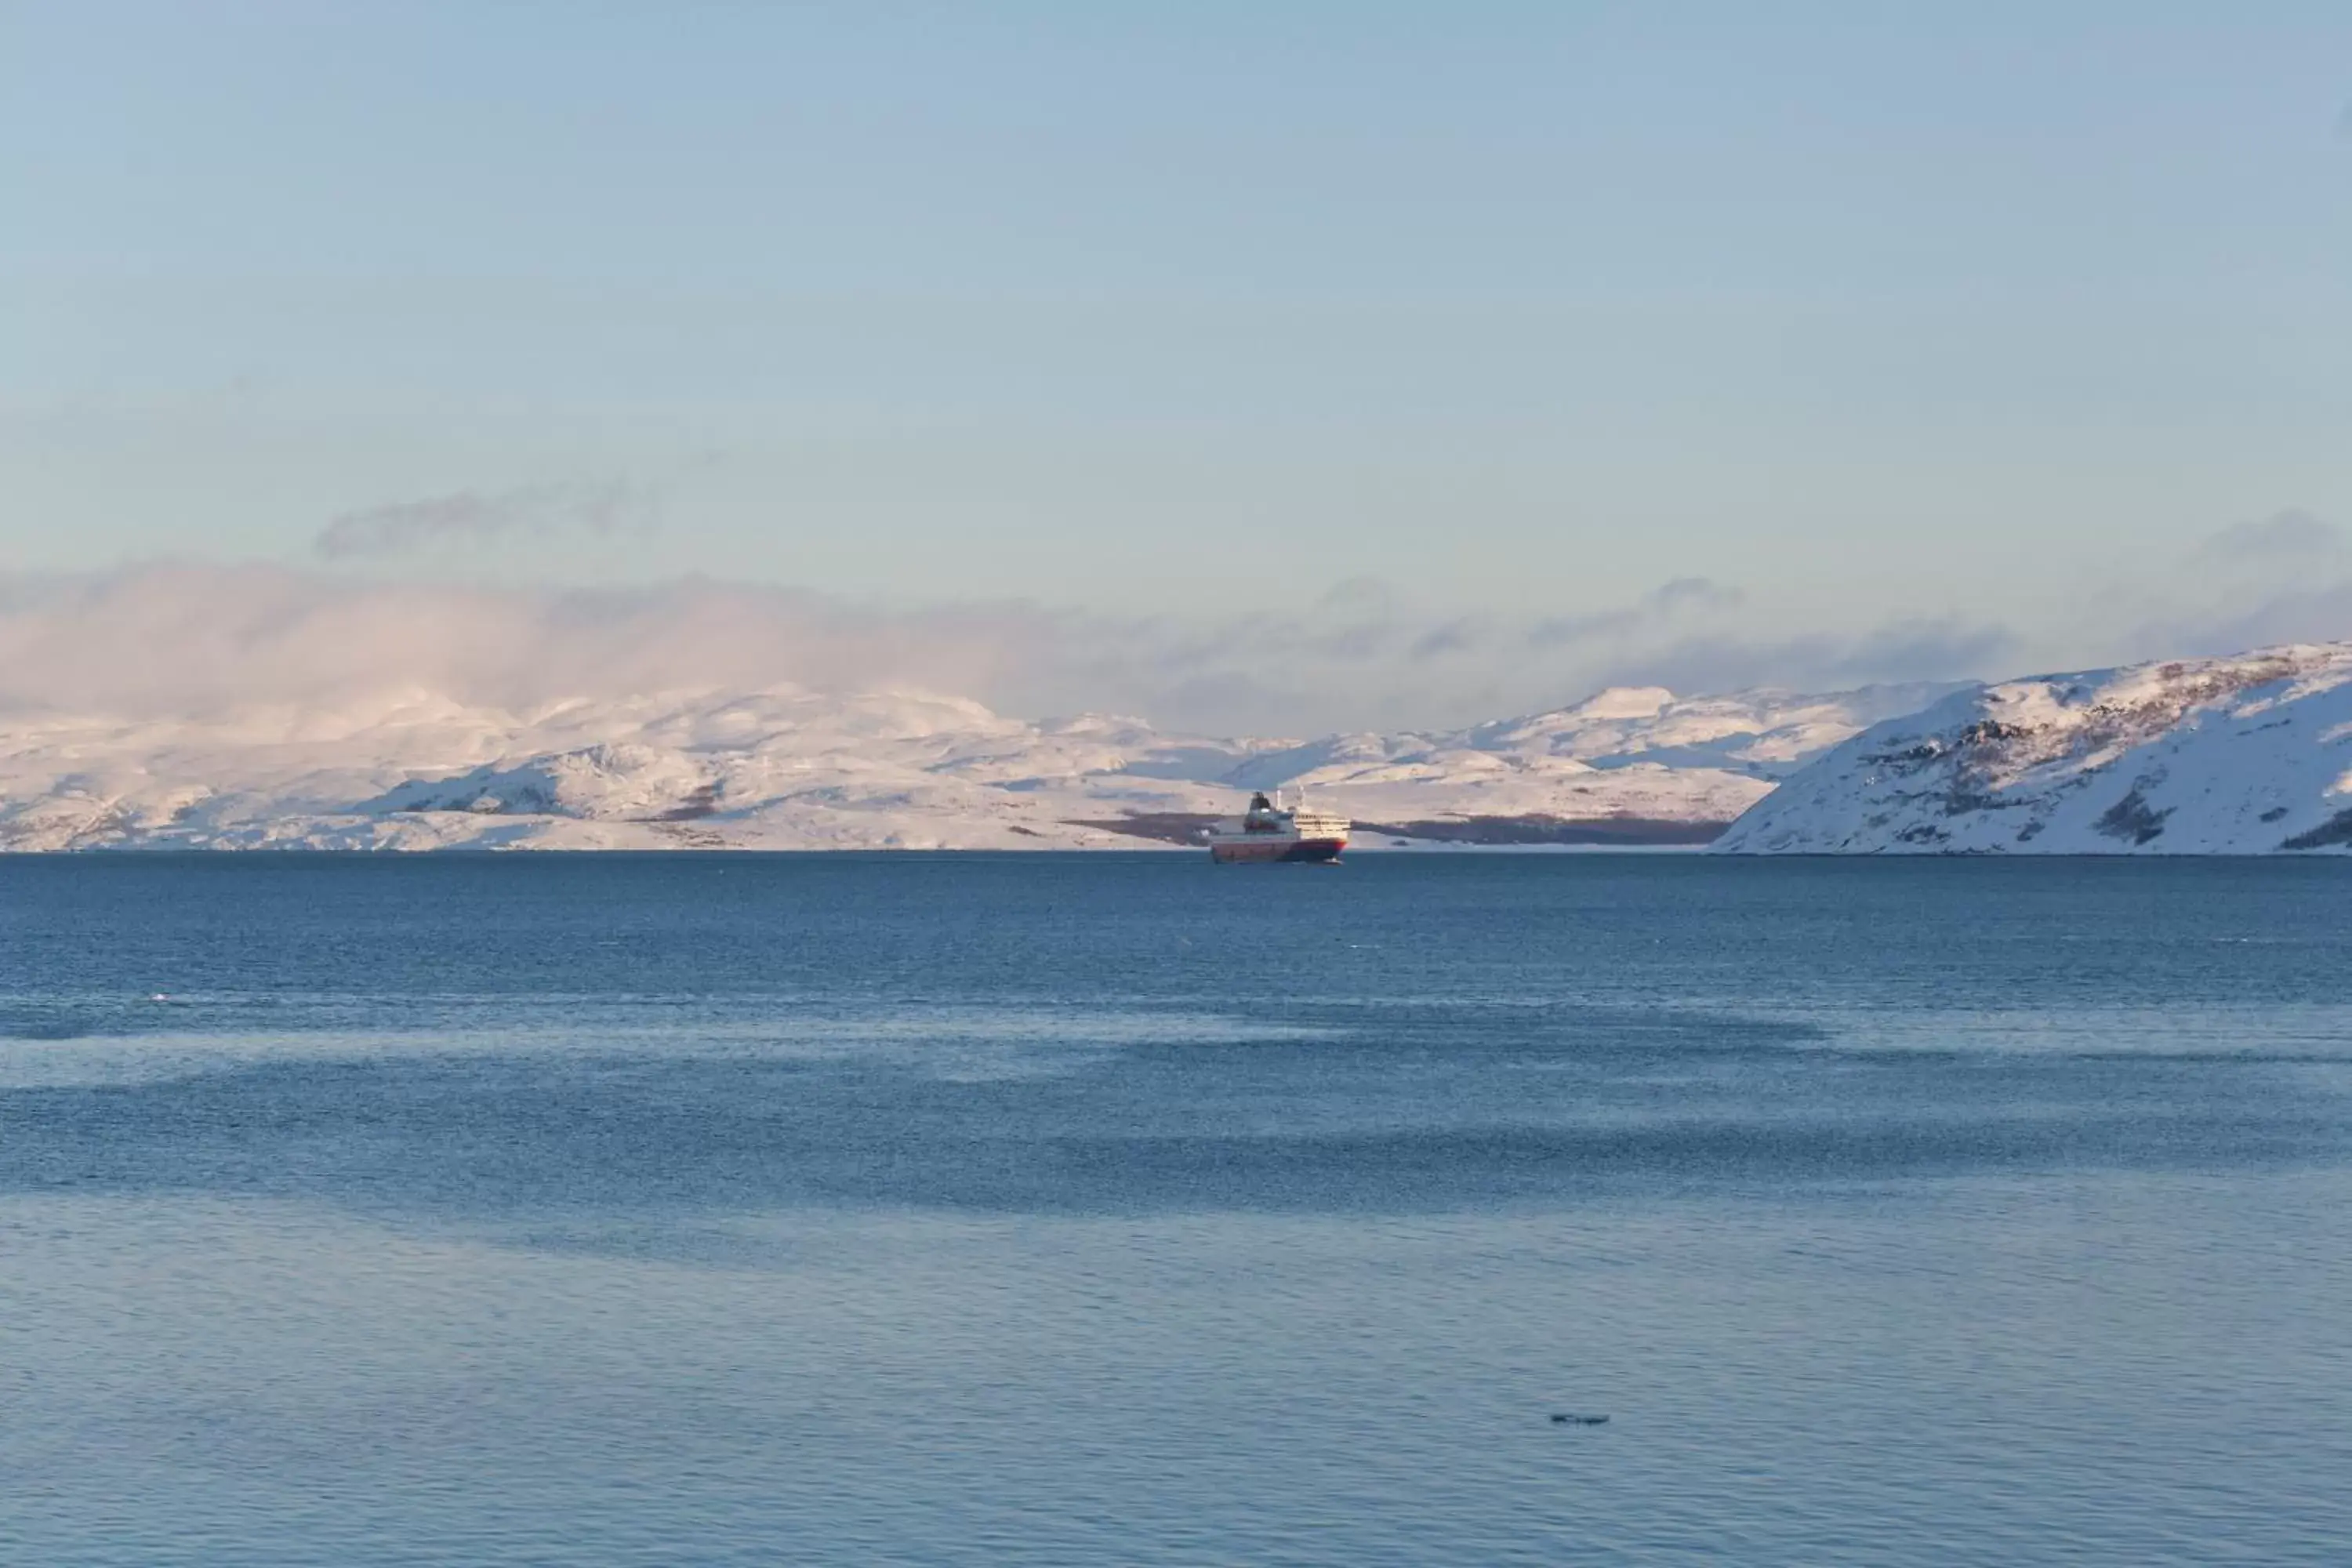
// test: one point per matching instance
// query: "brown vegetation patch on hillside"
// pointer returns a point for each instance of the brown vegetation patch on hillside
(1602, 830)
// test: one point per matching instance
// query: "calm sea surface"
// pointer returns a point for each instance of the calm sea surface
(1102, 1209)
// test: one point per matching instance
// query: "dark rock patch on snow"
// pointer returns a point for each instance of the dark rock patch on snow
(2132, 818)
(2337, 830)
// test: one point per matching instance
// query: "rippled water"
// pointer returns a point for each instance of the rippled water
(1089, 1209)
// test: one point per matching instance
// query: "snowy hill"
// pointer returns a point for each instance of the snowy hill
(1639, 756)
(789, 768)
(2249, 754)
(2245, 755)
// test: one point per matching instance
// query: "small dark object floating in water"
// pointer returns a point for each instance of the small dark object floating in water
(1579, 1421)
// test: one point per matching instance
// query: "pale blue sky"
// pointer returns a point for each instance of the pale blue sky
(1868, 312)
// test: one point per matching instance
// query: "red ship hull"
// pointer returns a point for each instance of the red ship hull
(1241, 852)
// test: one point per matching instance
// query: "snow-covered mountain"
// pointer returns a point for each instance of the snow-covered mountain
(2251, 753)
(793, 769)
(1629, 754)
(2247, 754)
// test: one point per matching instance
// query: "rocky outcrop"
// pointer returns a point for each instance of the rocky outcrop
(2242, 755)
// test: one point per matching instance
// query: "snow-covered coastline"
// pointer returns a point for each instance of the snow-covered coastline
(788, 769)
(2247, 754)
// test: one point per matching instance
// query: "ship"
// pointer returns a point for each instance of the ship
(1271, 831)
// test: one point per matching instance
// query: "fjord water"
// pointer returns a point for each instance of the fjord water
(1120, 1208)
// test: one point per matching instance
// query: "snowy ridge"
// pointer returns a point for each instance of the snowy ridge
(788, 769)
(2240, 755)
(1627, 753)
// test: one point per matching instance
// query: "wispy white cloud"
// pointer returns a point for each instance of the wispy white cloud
(1903, 650)
(182, 635)
(181, 638)
(2284, 577)
(2288, 535)
(472, 517)
(2320, 612)
(1682, 599)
